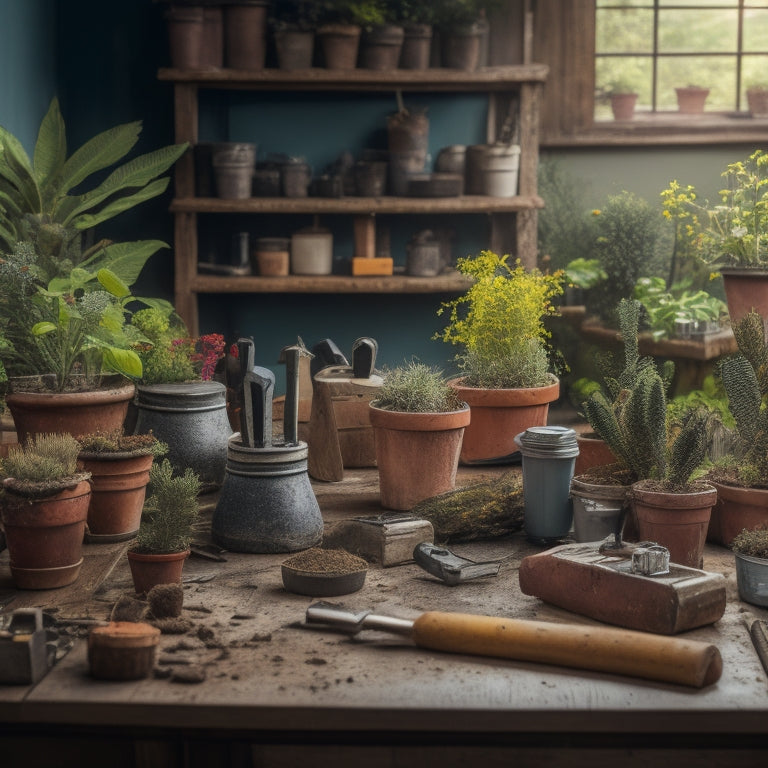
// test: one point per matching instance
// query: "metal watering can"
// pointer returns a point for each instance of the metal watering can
(266, 503)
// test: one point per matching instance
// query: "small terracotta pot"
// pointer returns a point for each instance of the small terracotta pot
(118, 487)
(45, 536)
(745, 289)
(78, 413)
(417, 46)
(677, 521)
(691, 100)
(500, 414)
(186, 32)
(340, 44)
(593, 452)
(295, 48)
(736, 508)
(122, 650)
(245, 35)
(150, 570)
(417, 453)
(380, 47)
(623, 105)
(757, 100)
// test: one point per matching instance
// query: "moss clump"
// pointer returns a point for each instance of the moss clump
(417, 388)
(752, 543)
(44, 465)
(117, 442)
(169, 512)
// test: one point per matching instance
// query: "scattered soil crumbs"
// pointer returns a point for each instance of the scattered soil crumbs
(329, 561)
(190, 675)
(206, 634)
(128, 608)
(261, 637)
(173, 626)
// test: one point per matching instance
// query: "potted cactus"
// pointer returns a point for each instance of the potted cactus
(418, 422)
(44, 509)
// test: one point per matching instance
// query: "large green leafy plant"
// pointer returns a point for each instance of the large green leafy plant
(64, 306)
(499, 322)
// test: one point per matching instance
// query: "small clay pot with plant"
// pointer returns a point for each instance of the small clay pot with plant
(165, 533)
(418, 424)
(119, 466)
(751, 551)
(498, 323)
(44, 508)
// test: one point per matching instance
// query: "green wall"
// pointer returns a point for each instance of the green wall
(101, 58)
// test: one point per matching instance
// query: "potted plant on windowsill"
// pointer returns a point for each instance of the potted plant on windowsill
(418, 422)
(44, 508)
(506, 378)
(65, 305)
(731, 236)
(177, 398)
(691, 99)
(751, 551)
(741, 479)
(623, 97)
(119, 466)
(757, 99)
(164, 536)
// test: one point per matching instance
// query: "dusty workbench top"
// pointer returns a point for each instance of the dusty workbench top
(263, 672)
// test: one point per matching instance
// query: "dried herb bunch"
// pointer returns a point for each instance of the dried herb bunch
(417, 388)
(169, 512)
(44, 465)
(751, 543)
(117, 442)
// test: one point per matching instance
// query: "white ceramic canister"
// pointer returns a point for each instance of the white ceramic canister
(312, 252)
(499, 166)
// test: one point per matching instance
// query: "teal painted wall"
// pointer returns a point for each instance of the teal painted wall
(28, 65)
(102, 60)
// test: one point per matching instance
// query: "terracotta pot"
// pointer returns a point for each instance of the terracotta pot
(417, 46)
(460, 47)
(340, 44)
(185, 36)
(736, 509)
(691, 100)
(118, 486)
(213, 37)
(417, 454)
(149, 570)
(593, 452)
(500, 414)
(122, 650)
(757, 100)
(245, 34)
(380, 47)
(78, 413)
(623, 105)
(677, 521)
(45, 536)
(295, 48)
(745, 289)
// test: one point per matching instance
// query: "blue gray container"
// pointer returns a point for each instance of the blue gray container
(549, 457)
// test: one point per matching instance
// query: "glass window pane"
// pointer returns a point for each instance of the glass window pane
(684, 31)
(624, 31)
(718, 73)
(754, 71)
(756, 30)
(701, 3)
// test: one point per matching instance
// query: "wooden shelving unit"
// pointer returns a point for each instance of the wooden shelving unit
(512, 221)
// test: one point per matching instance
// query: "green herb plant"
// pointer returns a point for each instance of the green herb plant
(417, 388)
(44, 465)
(117, 442)
(169, 512)
(499, 322)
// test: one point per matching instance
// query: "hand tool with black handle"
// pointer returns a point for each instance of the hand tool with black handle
(596, 648)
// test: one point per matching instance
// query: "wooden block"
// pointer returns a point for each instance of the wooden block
(579, 578)
(380, 265)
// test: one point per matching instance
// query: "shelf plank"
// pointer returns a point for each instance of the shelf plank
(360, 205)
(449, 282)
(317, 78)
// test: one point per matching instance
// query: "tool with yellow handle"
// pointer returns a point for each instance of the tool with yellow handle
(597, 648)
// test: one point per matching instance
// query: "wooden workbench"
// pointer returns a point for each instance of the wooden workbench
(279, 695)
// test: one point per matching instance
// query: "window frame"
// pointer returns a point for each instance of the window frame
(564, 39)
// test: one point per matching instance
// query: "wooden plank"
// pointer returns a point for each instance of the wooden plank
(359, 205)
(450, 282)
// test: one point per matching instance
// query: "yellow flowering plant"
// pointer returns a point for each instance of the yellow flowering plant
(499, 322)
(734, 233)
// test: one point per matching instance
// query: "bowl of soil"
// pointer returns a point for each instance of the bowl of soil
(324, 572)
